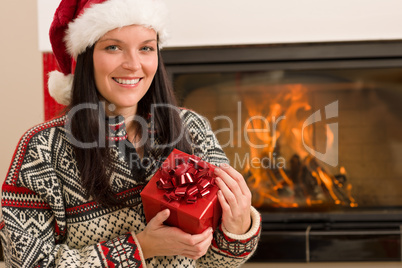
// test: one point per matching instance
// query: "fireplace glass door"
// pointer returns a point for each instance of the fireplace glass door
(307, 140)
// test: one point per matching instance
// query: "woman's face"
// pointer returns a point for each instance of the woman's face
(125, 63)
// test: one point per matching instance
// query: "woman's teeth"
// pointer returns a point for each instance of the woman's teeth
(127, 81)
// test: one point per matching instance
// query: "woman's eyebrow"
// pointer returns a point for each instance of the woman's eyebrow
(149, 41)
(120, 41)
(109, 39)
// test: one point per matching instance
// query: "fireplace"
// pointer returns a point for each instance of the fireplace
(316, 130)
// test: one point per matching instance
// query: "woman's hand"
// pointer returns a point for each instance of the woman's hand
(158, 239)
(235, 199)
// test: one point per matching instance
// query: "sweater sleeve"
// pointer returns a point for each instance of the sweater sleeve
(227, 250)
(33, 225)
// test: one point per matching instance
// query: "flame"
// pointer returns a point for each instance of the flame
(283, 186)
(342, 170)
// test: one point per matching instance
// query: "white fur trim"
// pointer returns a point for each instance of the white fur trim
(101, 18)
(255, 225)
(60, 86)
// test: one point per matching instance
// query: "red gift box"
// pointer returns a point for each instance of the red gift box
(185, 185)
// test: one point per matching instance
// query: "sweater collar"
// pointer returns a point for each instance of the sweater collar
(116, 128)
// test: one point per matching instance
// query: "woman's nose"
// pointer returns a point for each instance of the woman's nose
(132, 61)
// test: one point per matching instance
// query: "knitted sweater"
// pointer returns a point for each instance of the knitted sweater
(48, 222)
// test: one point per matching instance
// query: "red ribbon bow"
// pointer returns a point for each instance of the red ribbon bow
(189, 180)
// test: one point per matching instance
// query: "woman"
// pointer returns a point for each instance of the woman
(71, 197)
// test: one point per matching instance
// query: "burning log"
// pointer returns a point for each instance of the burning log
(305, 184)
(334, 189)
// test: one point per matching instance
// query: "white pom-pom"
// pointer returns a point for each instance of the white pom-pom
(60, 87)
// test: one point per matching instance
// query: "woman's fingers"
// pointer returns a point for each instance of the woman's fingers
(225, 206)
(229, 194)
(161, 240)
(193, 240)
(199, 249)
(160, 218)
(237, 177)
(233, 186)
(235, 199)
(196, 246)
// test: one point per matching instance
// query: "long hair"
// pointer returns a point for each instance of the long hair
(94, 164)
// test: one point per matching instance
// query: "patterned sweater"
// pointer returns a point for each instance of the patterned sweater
(48, 222)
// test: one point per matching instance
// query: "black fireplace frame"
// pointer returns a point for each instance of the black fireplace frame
(290, 236)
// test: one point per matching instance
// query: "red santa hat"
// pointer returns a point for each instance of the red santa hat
(78, 24)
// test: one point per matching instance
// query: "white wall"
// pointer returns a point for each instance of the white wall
(21, 86)
(227, 22)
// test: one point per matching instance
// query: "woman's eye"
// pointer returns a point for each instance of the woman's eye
(147, 49)
(112, 48)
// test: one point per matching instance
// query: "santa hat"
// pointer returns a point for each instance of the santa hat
(78, 24)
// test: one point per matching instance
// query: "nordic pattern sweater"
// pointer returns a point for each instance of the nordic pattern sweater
(48, 222)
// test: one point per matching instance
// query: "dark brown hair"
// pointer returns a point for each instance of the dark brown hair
(94, 163)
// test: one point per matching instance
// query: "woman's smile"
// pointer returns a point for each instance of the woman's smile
(127, 81)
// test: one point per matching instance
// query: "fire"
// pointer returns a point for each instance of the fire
(303, 182)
